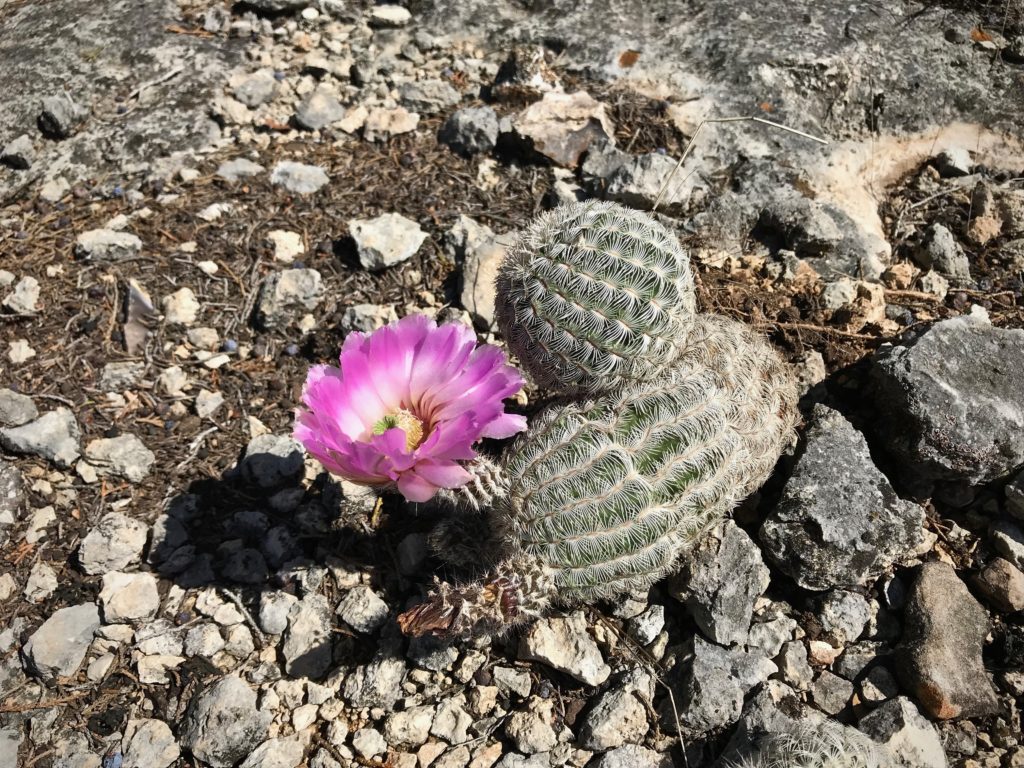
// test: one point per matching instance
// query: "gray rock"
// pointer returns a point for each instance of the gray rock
(308, 648)
(770, 635)
(853, 532)
(859, 657)
(319, 109)
(25, 298)
(148, 744)
(934, 283)
(823, 234)
(123, 456)
(410, 728)
(61, 116)
(377, 684)
(940, 659)
(284, 752)
(128, 596)
(117, 377)
(256, 89)
(530, 730)
(941, 251)
(386, 240)
(639, 180)
(451, 721)
(564, 644)
(512, 680)
(1008, 541)
(10, 743)
(222, 724)
(951, 402)
(617, 717)
(368, 317)
(53, 436)
(646, 627)
(715, 682)
(19, 153)
(369, 742)
(239, 168)
(203, 640)
(720, 582)
(298, 178)
(953, 162)
(12, 494)
(271, 460)
(58, 647)
(16, 409)
(1002, 584)
(913, 740)
(831, 693)
(107, 245)
(476, 247)
(287, 295)
(470, 130)
(116, 542)
(794, 667)
(632, 756)
(428, 96)
(41, 583)
(843, 615)
(389, 16)
(363, 610)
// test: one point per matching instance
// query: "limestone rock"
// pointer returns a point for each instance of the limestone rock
(940, 655)
(565, 645)
(58, 647)
(222, 723)
(951, 402)
(849, 534)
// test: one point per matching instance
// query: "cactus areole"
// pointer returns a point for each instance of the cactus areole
(670, 419)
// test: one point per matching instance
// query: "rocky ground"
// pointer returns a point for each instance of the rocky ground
(202, 200)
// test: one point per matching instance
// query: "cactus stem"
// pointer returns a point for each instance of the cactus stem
(514, 593)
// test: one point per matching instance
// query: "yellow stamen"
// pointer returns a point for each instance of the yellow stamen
(405, 421)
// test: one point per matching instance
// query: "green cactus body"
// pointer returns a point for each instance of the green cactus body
(594, 295)
(817, 745)
(601, 497)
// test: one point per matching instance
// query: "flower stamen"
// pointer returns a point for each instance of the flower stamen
(405, 421)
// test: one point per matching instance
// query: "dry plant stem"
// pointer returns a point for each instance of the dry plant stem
(693, 139)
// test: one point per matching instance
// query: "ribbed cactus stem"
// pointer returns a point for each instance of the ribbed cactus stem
(517, 591)
(593, 295)
(826, 744)
(603, 496)
(488, 483)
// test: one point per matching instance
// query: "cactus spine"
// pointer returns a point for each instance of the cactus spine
(817, 745)
(593, 295)
(681, 416)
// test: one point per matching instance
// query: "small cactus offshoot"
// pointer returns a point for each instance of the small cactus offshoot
(817, 745)
(593, 295)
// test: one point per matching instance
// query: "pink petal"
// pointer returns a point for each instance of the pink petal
(443, 474)
(415, 488)
(506, 425)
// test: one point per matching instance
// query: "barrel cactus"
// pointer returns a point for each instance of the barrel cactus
(817, 745)
(601, 496)
(593, 295)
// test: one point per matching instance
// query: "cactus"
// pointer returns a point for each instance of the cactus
(601, 497)
(593, 295)
(817, 745)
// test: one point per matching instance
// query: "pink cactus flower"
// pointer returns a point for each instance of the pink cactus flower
(407, 405)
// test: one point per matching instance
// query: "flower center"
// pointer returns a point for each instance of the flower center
(407, 422)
